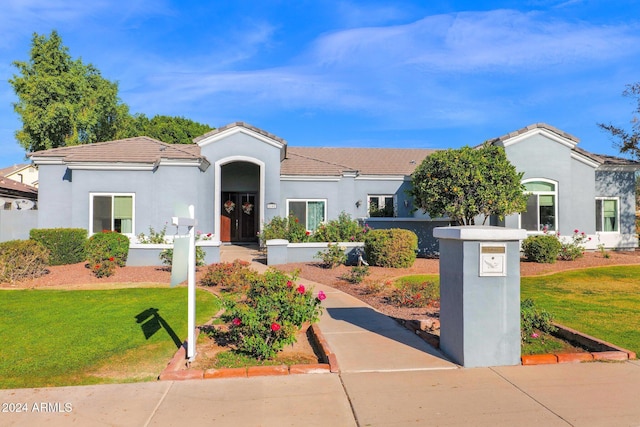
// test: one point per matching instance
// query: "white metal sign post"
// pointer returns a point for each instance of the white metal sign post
(184, 248)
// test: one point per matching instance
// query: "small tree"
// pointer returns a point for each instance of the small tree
(468, 182)
(627, 141)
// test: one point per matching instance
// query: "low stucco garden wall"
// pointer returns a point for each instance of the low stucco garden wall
(282, 252)
(148, 254)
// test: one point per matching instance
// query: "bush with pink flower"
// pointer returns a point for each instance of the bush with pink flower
(270, 315)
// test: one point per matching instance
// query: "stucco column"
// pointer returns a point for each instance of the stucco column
(480, 294)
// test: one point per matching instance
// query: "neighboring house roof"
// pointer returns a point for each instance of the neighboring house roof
(11, 169)
(140, 149)
(331, 161)
(15, 189)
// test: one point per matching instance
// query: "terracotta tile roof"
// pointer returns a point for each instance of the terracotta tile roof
(239, 124)
(141, 149)
(325, 161)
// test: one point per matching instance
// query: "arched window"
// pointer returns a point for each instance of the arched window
(542, 205)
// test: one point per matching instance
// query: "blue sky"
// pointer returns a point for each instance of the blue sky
(420, 74)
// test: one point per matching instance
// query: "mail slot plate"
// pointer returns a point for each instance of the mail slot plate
(493, 259)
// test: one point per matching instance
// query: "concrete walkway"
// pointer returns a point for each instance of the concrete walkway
(388, 377)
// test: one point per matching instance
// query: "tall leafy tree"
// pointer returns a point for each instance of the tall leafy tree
(466, 183)
(628, 140)
(62, 101)
(169, 129)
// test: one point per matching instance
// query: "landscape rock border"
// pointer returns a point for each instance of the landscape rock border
(597, 349)
(177, 369)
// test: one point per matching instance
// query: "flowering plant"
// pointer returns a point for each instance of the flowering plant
(573, 249)
(270, 315)
(229, 206)
(247, 208)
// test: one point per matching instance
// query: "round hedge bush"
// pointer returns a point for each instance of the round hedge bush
(395, 247)
(543, 248)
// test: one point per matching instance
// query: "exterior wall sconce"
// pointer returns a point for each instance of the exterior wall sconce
(358, 203)
(406, 203)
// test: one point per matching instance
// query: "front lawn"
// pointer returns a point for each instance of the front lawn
(55, 338)
(602, 302)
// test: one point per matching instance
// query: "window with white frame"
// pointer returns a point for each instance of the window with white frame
(311, 212)
(607, 215)
(381, 205)
(113, 212)
(542, 205)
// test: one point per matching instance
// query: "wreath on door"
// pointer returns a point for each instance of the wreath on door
(229, 206)
(247, 208)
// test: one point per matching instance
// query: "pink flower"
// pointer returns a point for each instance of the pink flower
(275, 327)
(307, 232)
(321, 296)
(300, 289)
(534, 335)
(236, 321)
(544, 229)
(576, 231)
(289, 284)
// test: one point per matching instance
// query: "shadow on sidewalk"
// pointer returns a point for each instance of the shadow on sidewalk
(373, 321)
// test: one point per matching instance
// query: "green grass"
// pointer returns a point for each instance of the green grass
(54, 338)
(601, 302)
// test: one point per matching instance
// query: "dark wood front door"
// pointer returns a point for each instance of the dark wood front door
(238, 222)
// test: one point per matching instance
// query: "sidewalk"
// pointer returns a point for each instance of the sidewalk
(388, 377)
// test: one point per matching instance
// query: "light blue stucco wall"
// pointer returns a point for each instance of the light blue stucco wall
(621, 183)
(156, 193)
(342, 193)
(55, 207)
(243, 147)
(541, 157)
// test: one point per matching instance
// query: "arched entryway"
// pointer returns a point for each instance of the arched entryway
(239, 203)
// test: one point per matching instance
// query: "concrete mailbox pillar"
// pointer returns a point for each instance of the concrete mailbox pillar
(480, 294)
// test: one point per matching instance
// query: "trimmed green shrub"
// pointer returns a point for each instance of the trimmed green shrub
(65, 245)
(289, 228)
(395, 248)
(22, 259)
(105, 251)
(231, 277)
(270, 316)
(343, 229)
(333, 256)
(543, 248)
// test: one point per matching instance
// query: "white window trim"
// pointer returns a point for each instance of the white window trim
(306, 225)
(545, 193)
(133, 214)
(382, 196)
(617, 199)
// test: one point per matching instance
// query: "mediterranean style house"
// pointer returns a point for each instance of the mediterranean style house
(239, 177)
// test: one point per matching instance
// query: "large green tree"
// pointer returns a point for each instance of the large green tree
(62, 101)
(465, 183)
(172, 130)
(628, 140)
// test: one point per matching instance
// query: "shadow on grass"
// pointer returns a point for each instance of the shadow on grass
(151, 322)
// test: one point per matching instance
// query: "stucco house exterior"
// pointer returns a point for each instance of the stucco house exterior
(239, 177)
